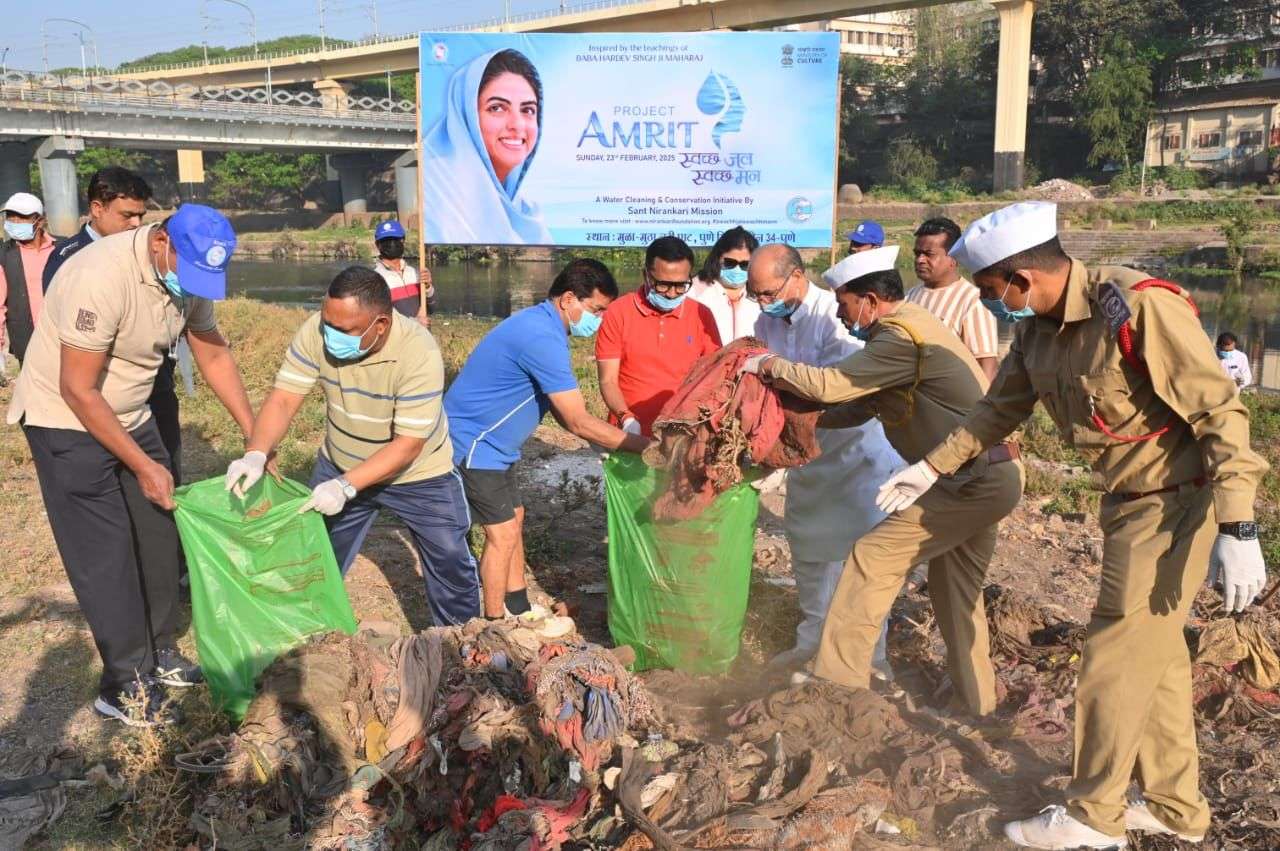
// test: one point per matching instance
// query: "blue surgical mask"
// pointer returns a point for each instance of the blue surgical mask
(858, 330)
(778, 309)
(733, 277)
(587, 324)
(662, 302)
(345, 346)
(170, 281)
(1002, 311)
(1222, 354)
(21, 231)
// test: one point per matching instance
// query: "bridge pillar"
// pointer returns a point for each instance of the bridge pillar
(406, 167)
(333, 93)
(15, 168)
(56, 156)
(352, 171)
(190, 174)
(1012, 87)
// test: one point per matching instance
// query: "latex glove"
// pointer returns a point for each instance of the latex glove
(326, 497)
(244, 473)
(631, 426)
(1238, 566)
(752, 364)
(905, 487)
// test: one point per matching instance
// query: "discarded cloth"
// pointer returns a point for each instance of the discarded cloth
(719, 422)
(1226, 641)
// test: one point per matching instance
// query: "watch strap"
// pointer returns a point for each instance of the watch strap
(1244, 530)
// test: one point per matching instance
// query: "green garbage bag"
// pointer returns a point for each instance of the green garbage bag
(677, 591)
(263, 578)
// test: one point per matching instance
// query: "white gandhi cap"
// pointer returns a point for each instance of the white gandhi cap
(861, 263)
(24, 204)
(1006, 232)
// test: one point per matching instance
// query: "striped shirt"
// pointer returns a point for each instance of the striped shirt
(957, 307)
(395, 391)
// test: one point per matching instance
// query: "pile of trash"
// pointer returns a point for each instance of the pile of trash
(1060, 190)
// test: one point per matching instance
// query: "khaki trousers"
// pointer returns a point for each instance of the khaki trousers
(1134, 715)
(953, 528)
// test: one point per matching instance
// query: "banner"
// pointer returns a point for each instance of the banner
(615, 139)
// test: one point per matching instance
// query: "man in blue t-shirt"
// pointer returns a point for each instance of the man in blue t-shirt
(520, 371)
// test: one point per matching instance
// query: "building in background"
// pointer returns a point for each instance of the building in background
(878, 37)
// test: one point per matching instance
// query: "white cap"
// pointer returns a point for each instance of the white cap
(1005, 233)
(861, 263)
(24, 204)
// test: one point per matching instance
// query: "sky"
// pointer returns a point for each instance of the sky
(127, 29)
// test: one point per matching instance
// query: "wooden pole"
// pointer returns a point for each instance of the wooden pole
(423, 273)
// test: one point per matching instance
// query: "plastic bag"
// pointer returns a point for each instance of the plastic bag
(263, 578)
(677, 591)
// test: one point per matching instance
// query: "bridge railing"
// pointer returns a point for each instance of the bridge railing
(261, 103)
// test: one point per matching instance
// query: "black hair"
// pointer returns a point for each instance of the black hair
(730, 240)
(108, 184)
(940, 226)
(672, 249)
(364, 285)
(887, 285)
(1045, 257)
(1227, 337)
(514, 62)
(582, 277)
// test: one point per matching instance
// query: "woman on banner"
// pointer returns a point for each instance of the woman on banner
(477, 154)
(722, 283)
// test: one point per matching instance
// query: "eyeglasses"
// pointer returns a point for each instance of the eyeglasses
(771, 295)
(730, 263)
(669, 288)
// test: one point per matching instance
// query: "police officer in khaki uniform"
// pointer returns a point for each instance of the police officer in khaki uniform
(1126, 372)
(919, 380)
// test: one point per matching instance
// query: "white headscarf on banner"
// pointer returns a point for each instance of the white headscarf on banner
(463, 201)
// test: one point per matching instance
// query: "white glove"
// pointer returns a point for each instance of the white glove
(905, 487)
(753, 364)
(244, 473)
(1238, 566)
(326, 497)
(631, 426)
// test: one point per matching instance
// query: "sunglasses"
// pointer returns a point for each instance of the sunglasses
(665, 288)
(729, 263)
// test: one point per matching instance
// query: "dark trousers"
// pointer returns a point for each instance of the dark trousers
(164, 411)
(119, 549)
(435, 510)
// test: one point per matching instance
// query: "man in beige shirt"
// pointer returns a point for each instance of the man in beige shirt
(115, 310)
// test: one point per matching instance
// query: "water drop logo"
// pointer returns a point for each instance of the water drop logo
(719, 96)
(799, 209)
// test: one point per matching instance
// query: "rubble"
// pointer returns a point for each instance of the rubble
(1060, 190)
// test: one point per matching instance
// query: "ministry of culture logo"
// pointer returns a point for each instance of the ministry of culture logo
(215, 255)
(799, 209)
(787, 61)
(439, 51)
(719, 96)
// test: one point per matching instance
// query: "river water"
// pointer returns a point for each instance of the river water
(1249, 308)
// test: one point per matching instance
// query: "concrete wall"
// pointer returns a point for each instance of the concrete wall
(1188, 128)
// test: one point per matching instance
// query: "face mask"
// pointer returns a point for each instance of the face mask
(1002, 311)
(21, 231)
(733, 277)
(858, 330)
(391, 249)
(170, 281)
(1222, 354)
(586, 325)
(778, 309)
(662, 302)
(345, 346)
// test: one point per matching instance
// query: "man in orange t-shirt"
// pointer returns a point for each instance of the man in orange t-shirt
(650, 338)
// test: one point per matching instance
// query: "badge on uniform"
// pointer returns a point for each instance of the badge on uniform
(1114, 306)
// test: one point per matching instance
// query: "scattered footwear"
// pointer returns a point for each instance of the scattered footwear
(140, 704)
(175, 670)
(1138, 816)
(1055, 830)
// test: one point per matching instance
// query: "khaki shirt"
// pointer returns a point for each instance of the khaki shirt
(1076, 368)
(105, 299)
(395, 391)
(879, 381)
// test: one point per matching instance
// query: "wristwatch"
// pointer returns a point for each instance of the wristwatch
(348, 489)
(1243, 530)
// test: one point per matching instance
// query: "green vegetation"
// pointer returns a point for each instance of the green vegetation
(196, 52)
(1116, 104)
(247, 179)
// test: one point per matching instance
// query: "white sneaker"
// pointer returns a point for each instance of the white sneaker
(1138, 816)
(1054, 829)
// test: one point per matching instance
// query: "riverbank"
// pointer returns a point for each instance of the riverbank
(1048, 550)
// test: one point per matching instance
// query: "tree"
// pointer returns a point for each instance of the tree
(196, 52)
(1116, 104)
(243, 179)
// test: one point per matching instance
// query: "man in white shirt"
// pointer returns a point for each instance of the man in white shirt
(1235, 363)
(949, 297)
(830, 501)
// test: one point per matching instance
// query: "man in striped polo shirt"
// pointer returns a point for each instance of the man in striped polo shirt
(386, 441)
(949, 297)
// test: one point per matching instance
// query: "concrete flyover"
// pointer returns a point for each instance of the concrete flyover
(51, 118)
(330, 71)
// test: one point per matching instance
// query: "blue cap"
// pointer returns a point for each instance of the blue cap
(204, 241)
(867, 233)
(390, 229)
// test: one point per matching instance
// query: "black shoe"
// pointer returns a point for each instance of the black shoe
(176, 671)
(139, 704)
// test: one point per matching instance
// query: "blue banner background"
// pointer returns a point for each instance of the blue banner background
(641, 135)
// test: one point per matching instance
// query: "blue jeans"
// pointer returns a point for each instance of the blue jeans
(435, 511)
